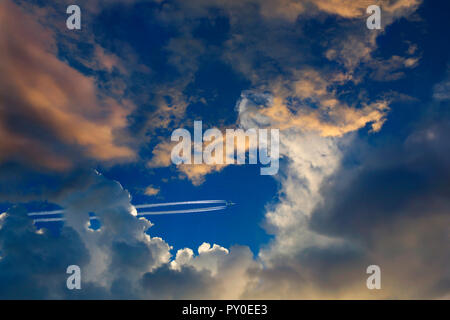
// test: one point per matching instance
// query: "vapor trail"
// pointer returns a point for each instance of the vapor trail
(182, 211)
(224, 205)
(45, 213)
(178, 203)
(139, 206)
(57, 219)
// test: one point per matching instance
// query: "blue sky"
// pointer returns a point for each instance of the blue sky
(86, 118)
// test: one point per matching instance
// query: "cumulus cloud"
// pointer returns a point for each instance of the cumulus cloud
(113, 259)
(221, 265)
(120, 260)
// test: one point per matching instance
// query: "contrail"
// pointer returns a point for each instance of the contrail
(57, 219)
(139, 206)
(182, 211)
(45, 213)
(224, 205)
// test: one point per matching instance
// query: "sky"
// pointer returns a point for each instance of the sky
(86, 118)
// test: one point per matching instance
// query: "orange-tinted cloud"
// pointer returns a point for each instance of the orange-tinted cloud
(151, 191)
(50, 113)
(194, 172)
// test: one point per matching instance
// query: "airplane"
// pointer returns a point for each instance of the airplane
(230, 203)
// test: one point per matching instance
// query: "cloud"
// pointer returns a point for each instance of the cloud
(151, 191)
(357, 9)
(322, 248)
(196, 172)
(103, 61)
(50, 112)
(390, 209)
(392, 68)
(405, 187)
(304, 94)
(113, 259)
(218, 264)
(119, 260)
(327, 116)
(33, 264)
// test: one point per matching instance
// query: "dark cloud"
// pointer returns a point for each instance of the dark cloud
(394, 208)
(51, 115)
(165, 283)
(33, 265)
(400, 181)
